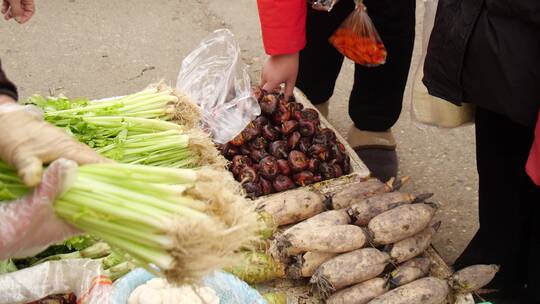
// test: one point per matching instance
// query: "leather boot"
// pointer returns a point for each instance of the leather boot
(377, 150)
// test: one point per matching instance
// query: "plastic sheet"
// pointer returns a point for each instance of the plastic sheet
(84, 277)
(428, 109)
(23, 219)
(80, 276)
(228, 288)
(214, 76)
(125, 286)
(232, 290)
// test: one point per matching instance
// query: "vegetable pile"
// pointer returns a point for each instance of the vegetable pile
(156, 102)
(169, 204)
(284, 148)
(358, 242)
(156, 127)
(186, 222)
(84, 246)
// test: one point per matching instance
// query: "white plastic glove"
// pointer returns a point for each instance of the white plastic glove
(27, 142)
(29, 224)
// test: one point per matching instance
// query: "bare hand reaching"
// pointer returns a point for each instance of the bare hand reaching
(280, 69)
(20, 10)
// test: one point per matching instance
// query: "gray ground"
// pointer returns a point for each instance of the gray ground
(104, 48)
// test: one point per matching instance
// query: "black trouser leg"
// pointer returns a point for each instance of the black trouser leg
(532, 294)
(508, 203)
(320, 62)
(377, 94)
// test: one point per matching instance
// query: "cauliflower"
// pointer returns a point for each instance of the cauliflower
(158, 291)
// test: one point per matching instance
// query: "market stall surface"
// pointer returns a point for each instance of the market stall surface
(102, 48)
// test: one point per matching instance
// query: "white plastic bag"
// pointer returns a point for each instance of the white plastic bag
(83, 277)
(214, 76)
(229, 288)
(322, 5)
(428, 109)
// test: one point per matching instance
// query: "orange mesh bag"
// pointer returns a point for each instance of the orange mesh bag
(358, 40)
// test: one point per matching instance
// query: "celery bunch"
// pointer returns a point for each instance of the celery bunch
(186, 222)
(11, 187)
(134, 129)
(157, 102)
(115, 262)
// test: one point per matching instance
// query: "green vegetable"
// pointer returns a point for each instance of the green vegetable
(268, 223)
(115, 261)
(143, 141)
(80, 242)
(275, 297)
(256, 267)
(98, 250)
(159, 102)
(73, 244)
(119, 270)
(133, 129)
(116, 257)
(7, 266)
(11, 187)
(187, 222)
(149, 142)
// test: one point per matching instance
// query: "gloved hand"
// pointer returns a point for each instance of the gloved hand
(27, 143)
(29, 224)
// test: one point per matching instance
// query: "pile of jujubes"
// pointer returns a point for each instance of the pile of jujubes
(285, 147)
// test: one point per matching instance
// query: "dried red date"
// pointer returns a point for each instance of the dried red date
(284, 168)
(304, 178)
(268, 167)
(282, 183)
(298, 161)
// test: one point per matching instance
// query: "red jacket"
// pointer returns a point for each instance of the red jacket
(283, 25)
(533, 164)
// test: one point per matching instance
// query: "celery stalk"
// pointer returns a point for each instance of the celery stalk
(186, 222)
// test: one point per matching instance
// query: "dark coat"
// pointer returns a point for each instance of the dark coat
(487, 52)
(6, 87)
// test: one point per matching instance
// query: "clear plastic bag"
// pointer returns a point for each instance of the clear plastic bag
(83, 277)
(358, 40)
(322, 5)
(215, 77)
(428, 109)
